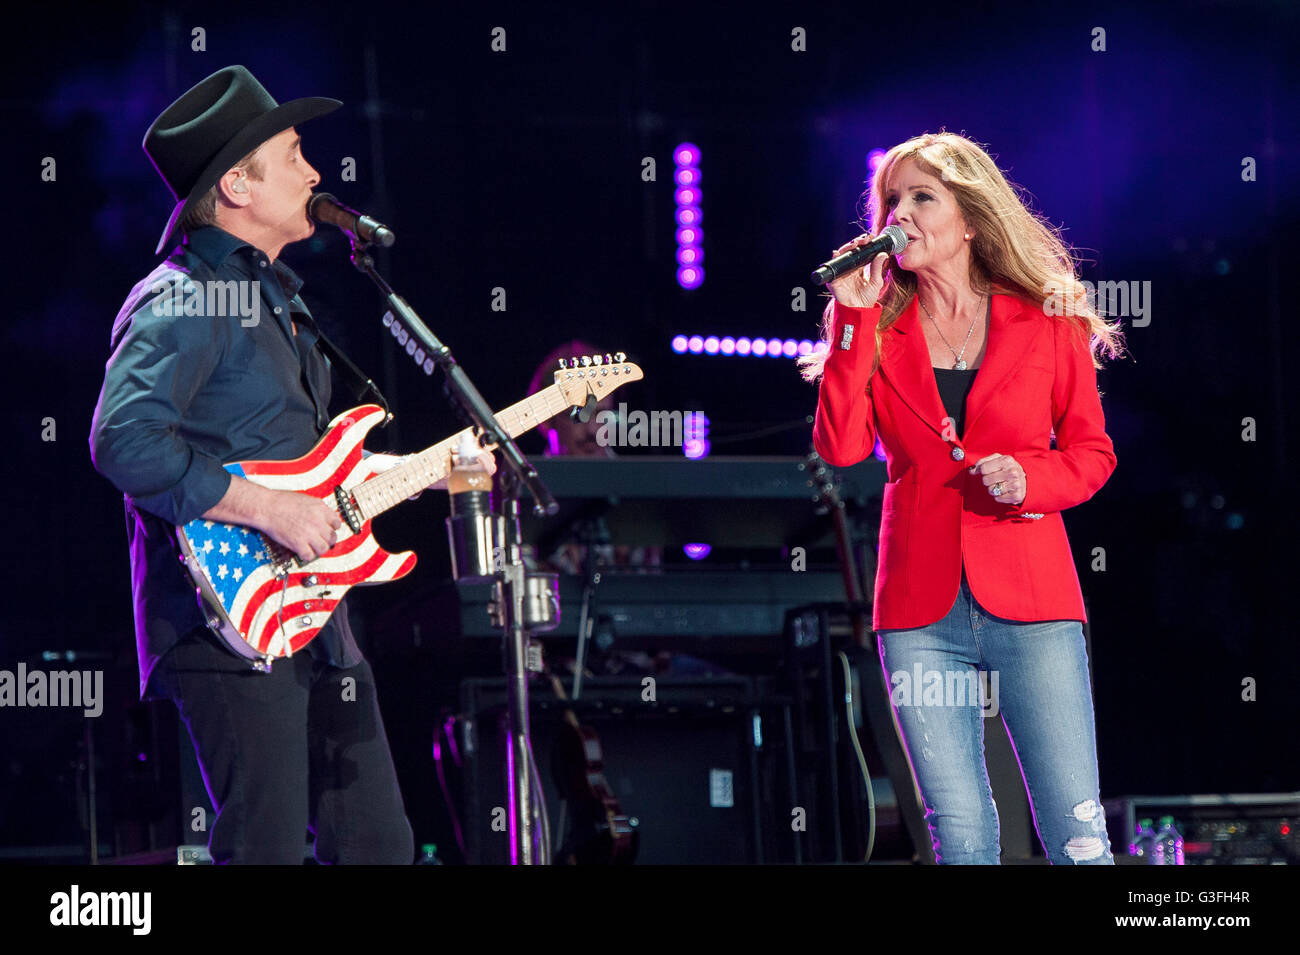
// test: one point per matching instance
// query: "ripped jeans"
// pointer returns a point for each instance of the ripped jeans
(945, 679)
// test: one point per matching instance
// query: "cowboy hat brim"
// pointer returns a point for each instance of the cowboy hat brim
(245, 141)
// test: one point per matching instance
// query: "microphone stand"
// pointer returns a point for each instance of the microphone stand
(521, 655)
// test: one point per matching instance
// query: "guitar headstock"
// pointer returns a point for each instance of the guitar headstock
(594, 376)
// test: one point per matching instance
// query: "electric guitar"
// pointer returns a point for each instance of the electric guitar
(265, 602)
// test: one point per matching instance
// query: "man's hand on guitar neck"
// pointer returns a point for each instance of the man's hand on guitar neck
(486, 461)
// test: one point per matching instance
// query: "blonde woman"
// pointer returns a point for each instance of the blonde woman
(972, 356)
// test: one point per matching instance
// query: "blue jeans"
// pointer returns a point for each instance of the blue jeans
(945, 679)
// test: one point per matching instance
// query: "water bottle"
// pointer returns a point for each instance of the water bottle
(428, 855)
(1143, 845)
(1168, 843)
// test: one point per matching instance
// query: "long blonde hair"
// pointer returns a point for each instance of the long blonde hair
(1013, 250)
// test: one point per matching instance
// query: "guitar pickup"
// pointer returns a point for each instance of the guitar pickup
(348, 509)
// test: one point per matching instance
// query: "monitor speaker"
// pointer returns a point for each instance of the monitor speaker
(689, 766)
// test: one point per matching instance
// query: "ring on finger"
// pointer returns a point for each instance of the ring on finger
(997, 489)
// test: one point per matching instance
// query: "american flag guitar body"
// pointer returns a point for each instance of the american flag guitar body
(262, 600)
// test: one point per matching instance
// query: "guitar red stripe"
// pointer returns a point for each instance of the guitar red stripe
(344, 548)
(339, 429)
(355, 576)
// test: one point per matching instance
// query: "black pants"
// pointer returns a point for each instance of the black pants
(299, 749)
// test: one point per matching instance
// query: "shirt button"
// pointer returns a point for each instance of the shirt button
(263, 263)
(277, 310)
(958, 454)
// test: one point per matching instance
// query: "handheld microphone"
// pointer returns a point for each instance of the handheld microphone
(325, 209)
(893, 240)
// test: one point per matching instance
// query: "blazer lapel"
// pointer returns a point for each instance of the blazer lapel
(906, 361)
(1012, 331)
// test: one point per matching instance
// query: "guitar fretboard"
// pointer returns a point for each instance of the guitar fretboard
(426, 467)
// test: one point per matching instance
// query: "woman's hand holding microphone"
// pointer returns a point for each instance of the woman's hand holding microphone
(861, 287)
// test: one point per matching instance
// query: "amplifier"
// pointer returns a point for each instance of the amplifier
(1218, 829)
(694, 767)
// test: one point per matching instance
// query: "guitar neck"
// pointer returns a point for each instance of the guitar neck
(828, 496)
(389, 489)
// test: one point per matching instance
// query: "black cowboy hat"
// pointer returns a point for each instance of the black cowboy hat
(198, 138)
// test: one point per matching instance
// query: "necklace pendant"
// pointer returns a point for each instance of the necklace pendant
(961, 364)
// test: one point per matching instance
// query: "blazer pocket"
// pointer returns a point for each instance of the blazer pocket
(898, 497)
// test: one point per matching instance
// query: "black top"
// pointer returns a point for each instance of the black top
(954, 386)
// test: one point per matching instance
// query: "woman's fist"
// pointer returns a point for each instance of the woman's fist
(861, 287)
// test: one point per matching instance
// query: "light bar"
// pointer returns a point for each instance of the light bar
(745, 347)
(687, 195)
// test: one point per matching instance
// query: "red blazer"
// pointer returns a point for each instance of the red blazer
(936, 516)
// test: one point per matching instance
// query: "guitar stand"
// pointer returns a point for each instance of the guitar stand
(591, 579)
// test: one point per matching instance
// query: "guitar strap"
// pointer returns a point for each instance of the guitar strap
(353, 377)
(356, 380)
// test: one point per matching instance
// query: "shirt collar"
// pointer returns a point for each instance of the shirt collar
(214, 245)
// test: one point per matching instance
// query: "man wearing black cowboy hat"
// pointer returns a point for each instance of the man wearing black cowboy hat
(189, 387)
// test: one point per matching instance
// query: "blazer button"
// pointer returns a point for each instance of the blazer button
(958, 454)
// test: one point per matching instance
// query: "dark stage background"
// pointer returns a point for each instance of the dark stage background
(522, 170)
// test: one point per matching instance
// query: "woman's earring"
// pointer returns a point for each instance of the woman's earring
(967, 236)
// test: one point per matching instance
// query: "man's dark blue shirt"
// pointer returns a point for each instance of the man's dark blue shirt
(203, 373)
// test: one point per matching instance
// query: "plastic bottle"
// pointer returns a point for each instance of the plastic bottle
(1168, 843)
(429, 855)
(1144, 843)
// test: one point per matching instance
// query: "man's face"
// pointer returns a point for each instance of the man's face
(279, 200)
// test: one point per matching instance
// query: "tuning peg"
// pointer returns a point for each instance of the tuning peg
(573, 362)
(586, 361)
(609, 359)
(562, 364)
(620, 357)
(596, 358)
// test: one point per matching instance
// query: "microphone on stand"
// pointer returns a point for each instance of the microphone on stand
(324, 208)
(893, 240)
